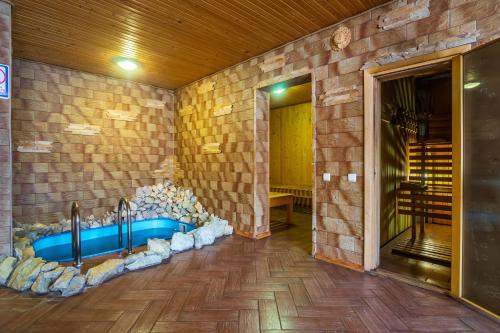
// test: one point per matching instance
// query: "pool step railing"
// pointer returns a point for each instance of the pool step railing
(76, 239)
(123, 203)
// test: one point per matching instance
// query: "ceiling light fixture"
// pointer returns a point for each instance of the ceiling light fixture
(279, 90)
(471, 85)
(126, 63)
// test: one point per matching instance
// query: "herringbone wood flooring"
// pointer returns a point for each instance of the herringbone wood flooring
(241, 285)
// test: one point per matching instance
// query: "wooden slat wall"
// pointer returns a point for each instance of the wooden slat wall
(291, 146)
(436, 161)
(393, 170)
(178, 42)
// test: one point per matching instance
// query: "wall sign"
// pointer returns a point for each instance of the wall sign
(4, 81)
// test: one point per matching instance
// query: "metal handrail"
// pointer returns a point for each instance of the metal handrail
(76, 239)
(121, 203)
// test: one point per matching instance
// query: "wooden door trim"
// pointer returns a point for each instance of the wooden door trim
(263, 85)
(457, 174)
(372, 77)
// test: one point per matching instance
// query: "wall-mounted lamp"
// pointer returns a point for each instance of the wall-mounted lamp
(471, 85)
(279, 91)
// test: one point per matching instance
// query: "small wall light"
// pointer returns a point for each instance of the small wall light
(279, 91)
(471, 85)
(126, 63)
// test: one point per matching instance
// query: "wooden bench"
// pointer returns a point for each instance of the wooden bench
(282, 199)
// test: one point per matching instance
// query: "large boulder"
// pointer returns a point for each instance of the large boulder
(203, 236)
(7, 265)
(76, 286)
(181, 242)
(105, 271)
(25, 274)
(159, 246)
(45, 279)
(64, 279)
(144, 262)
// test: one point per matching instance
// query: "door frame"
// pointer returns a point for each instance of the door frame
(372, 77)
(261, 152)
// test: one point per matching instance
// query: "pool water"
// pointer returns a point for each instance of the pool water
(104, 240)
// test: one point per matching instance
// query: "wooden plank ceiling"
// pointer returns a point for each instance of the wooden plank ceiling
(177, 42)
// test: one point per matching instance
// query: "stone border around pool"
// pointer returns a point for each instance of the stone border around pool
(50, 278)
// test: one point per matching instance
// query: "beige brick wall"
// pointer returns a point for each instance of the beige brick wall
(85, 137)
(224, 182)
(5, 136)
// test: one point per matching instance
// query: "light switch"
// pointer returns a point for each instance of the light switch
(327, 177)
(351, 177)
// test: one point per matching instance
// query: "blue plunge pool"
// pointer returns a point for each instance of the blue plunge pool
(104, 240)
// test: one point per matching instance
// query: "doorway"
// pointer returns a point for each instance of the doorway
(291, 96)
(475, 231)
(416, 174)
(291, 162)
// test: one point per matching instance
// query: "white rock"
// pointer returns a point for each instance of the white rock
(50, 266)
(199, 207)
(105, 271)
(203, 236)
(185, 219)
(159, 246)
(181, 242)
(28, 252)
(6, 268)
(218, 226)
(63, 281)
(45, 279)
(145, 261)
(25, 274)
(228, 230)
(133, 257)
(75, 286)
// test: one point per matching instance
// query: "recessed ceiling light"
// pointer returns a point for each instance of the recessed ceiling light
(126, 63)
(279, 91)
(471, 85)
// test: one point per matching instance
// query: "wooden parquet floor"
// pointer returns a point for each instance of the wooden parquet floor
(241, 285)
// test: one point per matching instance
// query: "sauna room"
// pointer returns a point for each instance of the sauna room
(416, 175)
(290, 160)
(249, 166)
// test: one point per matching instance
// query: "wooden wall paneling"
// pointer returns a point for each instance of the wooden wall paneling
(177, 42)
(275, 148)
(291, 153)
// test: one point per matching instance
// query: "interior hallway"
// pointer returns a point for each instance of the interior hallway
(242, 285)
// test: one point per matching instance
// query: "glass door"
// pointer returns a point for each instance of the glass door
(481, 177)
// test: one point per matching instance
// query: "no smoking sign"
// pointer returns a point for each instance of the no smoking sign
(4, 81)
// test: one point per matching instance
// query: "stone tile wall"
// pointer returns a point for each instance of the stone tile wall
(85, 137)
(224, 181)
(5, 136)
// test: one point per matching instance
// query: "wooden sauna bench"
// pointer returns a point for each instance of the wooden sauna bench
(282, 199)
(432, 202)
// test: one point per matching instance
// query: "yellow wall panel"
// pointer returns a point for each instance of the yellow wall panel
(291, 146)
